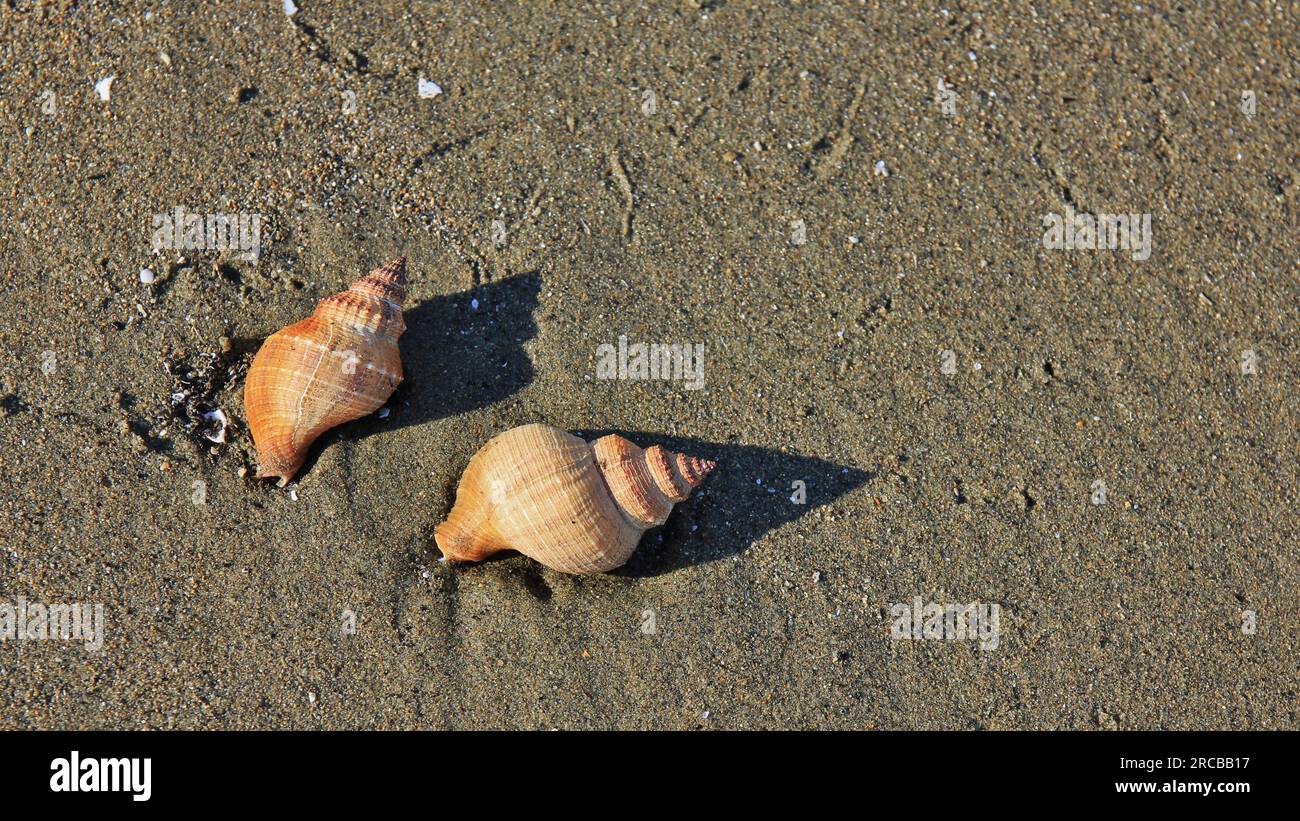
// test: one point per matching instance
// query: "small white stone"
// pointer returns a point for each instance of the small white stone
(473, 303)
(881, 169)
(289, 8)
(105, 87)
(146, 276)
(428, 89)
(383, 413)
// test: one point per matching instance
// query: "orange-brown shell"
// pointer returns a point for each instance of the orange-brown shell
(339, 364)
(573, 506)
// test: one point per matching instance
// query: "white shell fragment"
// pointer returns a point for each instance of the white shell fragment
(219, 436)
(428, 89)
(105, 87)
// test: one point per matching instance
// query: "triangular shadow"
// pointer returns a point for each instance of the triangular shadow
(463, 351)
(456, 357)
(747, 495)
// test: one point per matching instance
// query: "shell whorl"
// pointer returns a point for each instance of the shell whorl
(373, 304)
(339, 364)
(386, 282)
(647, 483)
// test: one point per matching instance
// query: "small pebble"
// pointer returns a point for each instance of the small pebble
(428, 89)
(146, 276)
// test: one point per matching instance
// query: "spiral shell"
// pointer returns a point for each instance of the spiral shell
(573, 506)
(339, 364)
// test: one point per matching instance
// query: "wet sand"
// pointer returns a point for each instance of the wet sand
(778, 182)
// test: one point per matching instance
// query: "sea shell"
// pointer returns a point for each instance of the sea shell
(339, 364)
(573, 506)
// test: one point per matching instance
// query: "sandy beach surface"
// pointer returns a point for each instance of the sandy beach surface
(910, 396)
